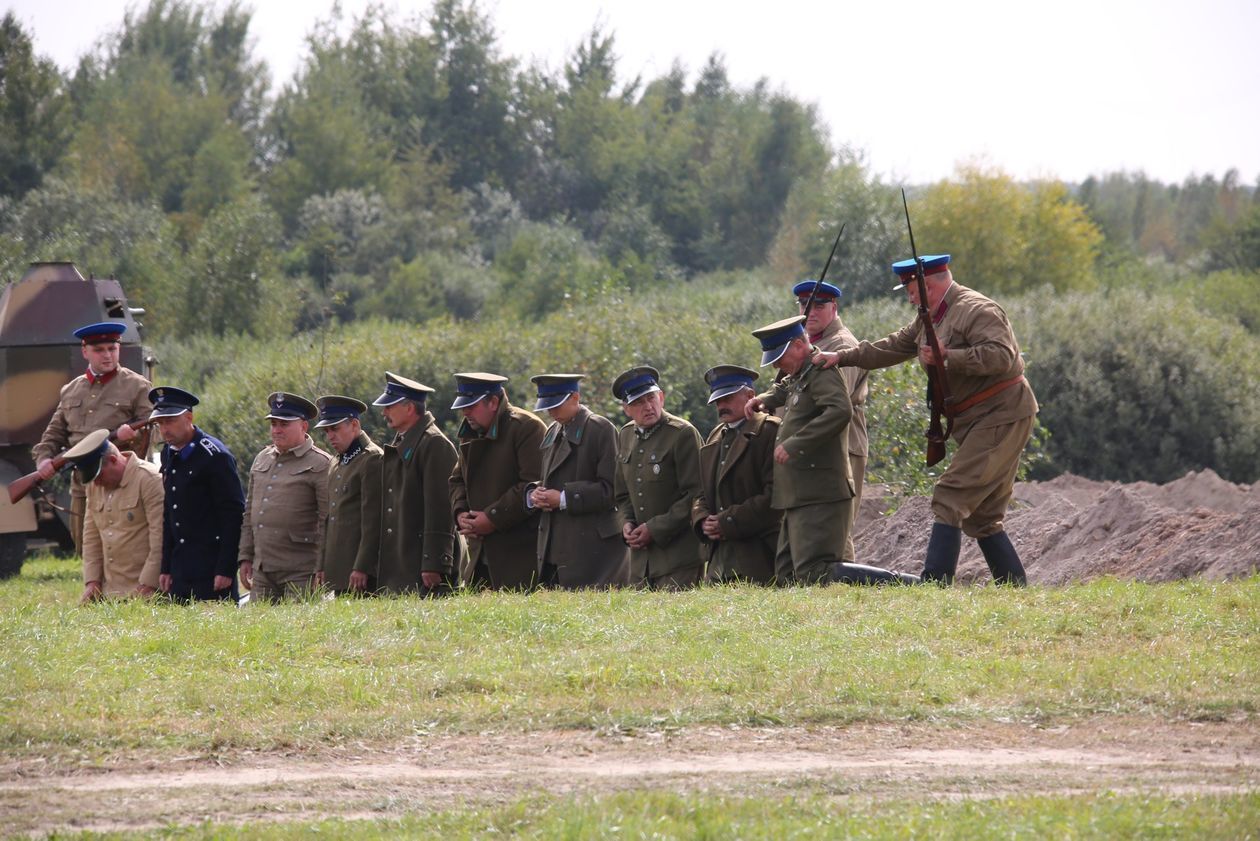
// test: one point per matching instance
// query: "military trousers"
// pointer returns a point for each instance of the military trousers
(811, 539)
(857, 468)
(78, 511)
(679, 579)
(975, 490)
(278, 585)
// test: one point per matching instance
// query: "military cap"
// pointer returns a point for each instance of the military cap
(725, 380)
(632, 384)
(102, 331)
(933, 263)
(334, 409)
(554, 389)
(169, 401)
(286, 406)
(399, 388)
(776, 337)
(474, 387)
(88, 453)
(826, 291)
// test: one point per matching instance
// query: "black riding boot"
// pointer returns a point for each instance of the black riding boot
(1003, 560)
(942, 554)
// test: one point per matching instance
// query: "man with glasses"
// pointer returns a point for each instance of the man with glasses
(106, 396)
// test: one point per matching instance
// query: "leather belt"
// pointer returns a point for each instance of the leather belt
(981, 396)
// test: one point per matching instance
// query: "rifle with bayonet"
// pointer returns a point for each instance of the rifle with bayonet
(21, 486)
(939, 399)
(813, 293)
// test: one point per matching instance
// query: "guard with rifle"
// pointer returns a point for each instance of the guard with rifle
(106, 396)
(976, 383)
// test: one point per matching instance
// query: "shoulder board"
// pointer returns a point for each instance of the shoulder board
(210, 446)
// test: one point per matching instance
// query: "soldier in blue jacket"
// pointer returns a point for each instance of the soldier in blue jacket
(204, 503)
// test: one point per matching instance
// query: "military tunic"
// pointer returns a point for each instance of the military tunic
(582, 541)
(286, 508)
(976, 488)
(813, 488)
(737, 469)
(417, 527)
(353, 535)
(85, 406)
(493, 471)
(658, 479)
(202, 526)
(122, 532)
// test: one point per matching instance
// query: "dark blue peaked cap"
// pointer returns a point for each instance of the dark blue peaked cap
(169, 401)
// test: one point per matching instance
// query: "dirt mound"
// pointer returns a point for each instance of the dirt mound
(1074, 529)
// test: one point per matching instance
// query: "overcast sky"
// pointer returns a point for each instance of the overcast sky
(1066, 89)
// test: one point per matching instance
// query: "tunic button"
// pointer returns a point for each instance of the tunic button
(389, 511)
(175, 505)
(181, 540)
(389, 531)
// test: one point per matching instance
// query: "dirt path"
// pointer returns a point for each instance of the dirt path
(971, 761)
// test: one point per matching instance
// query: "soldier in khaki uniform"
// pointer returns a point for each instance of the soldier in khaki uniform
(350, 554)
(812, 485)
(499, 457)
(286, 505)
(106, 396)
(658, 478)
(737, 527)
(418, 546)
(994, 407)
(122, 531)
(827, 332)
(579, 536)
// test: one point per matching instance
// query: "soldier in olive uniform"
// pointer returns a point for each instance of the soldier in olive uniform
(417, 536)
(204, 503)
(499, 457)
(350, 553)
(737, 527)
(827, 332)
(579, 536)
(812, 485)
(658, 478)
(106, 396)
(286, 505)
(994, 409)
(122, 531)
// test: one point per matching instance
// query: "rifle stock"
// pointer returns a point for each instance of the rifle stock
(23, 485)
(939, 398)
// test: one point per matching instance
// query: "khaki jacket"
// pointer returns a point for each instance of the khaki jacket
(85, 408)
(835, 336)
(658, 478)
(583, 540)
(286, 507)
(122, 530)
(491, 476)
(982, 353)
(417, 528)
(353, 534)
(816, 415)
(737, 475)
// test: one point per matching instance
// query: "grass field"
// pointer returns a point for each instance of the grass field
(81, 687)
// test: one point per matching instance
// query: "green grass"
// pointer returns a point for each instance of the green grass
(85, 682)
(661, 815)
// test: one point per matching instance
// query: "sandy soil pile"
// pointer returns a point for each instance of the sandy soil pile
(1073, 529)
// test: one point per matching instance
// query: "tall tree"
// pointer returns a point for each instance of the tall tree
(34, 118)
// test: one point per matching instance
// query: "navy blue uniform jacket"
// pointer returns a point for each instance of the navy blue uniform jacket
(202, 526)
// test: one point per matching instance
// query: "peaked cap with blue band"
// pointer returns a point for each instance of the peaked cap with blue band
(88, 454)
(102, 331)
(776, 337)
(169, 401)
(933, 263)
(474, 387)
(334, 409)
(398, 389)
(635, 382)
(284, 406)
(725, 380)
(826, 290)
(554, 389)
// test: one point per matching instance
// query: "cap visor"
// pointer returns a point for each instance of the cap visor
(274, 416)
(724, 391)
(635, 395)
(546, 404)
(388, 399)
(326, 422)
(769, 357)
(466, 400)
(167, 413)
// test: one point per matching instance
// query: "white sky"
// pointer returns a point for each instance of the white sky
(1066, 89)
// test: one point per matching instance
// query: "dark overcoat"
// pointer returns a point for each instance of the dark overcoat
(417, 529)
(352, 538)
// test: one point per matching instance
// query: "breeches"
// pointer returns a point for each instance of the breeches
(811, 539)
(976, 488)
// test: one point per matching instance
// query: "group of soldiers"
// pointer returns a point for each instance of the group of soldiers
(514, 503)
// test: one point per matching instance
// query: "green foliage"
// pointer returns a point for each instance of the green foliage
(1005, 237)
(1138, 386)
(1235, 245)
(34, 118)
